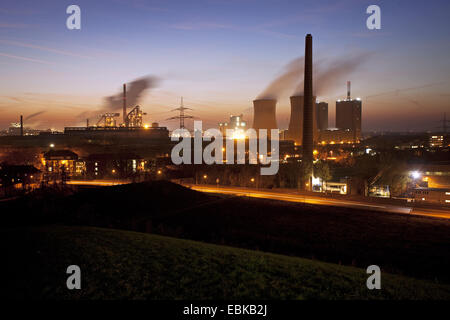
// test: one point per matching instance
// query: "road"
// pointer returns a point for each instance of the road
(284, 195)
(100, 183)
(295, 197)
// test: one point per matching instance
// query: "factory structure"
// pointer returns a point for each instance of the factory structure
(347, 128)
(131, 126)
(237, 124)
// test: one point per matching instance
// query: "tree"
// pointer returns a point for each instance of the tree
(322, 171)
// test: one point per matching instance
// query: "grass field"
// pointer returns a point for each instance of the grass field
(406, 245)
(129, 265)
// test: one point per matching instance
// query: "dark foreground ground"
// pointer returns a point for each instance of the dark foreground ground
(417, 247)
(129, 265)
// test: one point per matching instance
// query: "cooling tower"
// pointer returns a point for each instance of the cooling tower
(264, 114)
(295, 130)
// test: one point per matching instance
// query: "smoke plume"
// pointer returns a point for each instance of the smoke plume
(328, 75)
(34, 115)
(286, 81)
(135, 89)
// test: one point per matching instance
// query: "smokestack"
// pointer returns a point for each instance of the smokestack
(308, 112)
(264, 114)
(125, 105)
(21, 126)
(87, 123)
(348, 90)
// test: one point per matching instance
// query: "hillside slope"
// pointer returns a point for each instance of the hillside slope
(128, 265)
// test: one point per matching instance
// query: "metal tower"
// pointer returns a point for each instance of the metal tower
(445, 123)
(182, 115)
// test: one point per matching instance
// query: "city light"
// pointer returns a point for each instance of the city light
(316, 181)
(415, 174)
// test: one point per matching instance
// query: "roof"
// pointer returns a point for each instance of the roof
(433, 189)
(114, 156)
(60, 155)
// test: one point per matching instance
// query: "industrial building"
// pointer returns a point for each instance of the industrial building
(237, 124)
(336, 136)
(131, 127)
(322, 115)
(295, 130)
(432, 195)
(348, 115)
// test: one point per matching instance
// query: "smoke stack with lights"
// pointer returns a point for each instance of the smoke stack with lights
(125, 105)
(21, 126)
(264, 114)
(308, 112)
(348, 90)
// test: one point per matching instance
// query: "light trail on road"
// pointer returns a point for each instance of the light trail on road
(290, 197)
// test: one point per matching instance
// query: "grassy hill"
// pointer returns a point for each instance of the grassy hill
(400, 244)
(128, 265)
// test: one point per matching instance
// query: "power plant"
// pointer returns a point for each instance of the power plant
(264, 116)
(295, 130)
(348, 115)
(132, 124)
(321, 116)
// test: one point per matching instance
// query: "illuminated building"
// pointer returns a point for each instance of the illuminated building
(432, 195)
(348, 115)
(237, 124)
(336, 136)
(120, 165)
(57, 161)
(436, 141)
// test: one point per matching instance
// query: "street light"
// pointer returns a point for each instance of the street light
(415, 174)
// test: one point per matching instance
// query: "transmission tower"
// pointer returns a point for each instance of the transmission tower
(182, 115)
(445, 123)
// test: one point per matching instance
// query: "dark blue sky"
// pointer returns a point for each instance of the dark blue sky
(219, 55)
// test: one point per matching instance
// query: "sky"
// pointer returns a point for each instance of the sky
(219, 55)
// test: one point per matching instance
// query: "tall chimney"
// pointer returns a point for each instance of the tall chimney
(21, 126)
(308, 113)
(125, 105)
(348, 90)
